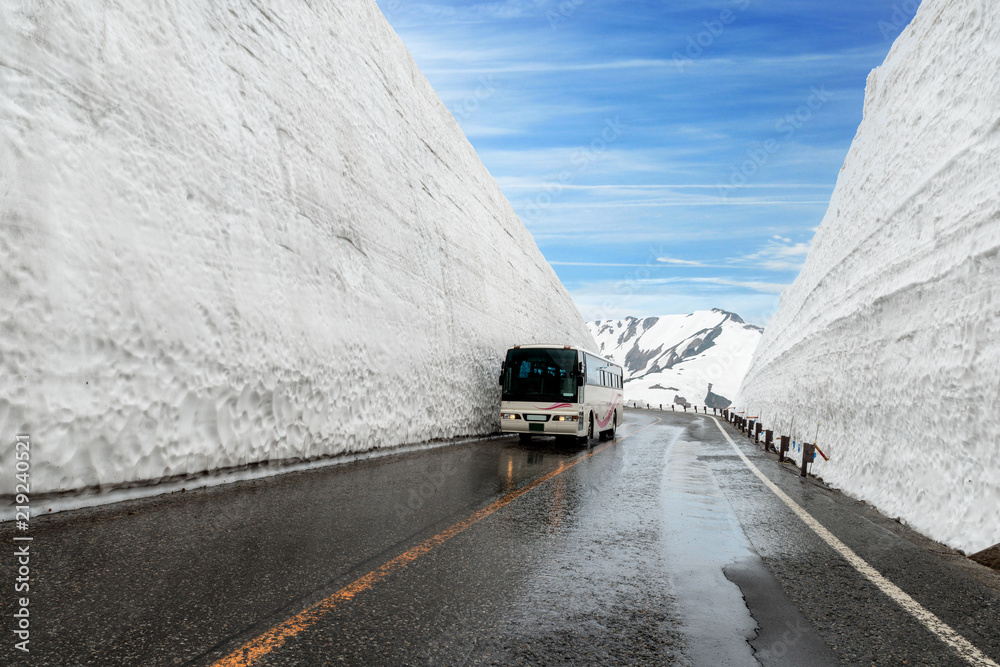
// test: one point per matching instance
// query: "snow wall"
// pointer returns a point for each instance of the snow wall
(890, 336)
(241, 232)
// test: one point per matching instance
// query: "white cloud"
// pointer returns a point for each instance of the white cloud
(755, 285)
(752, 285)
(603, 301)
(778, 254)
(720, 201)
(558, 263)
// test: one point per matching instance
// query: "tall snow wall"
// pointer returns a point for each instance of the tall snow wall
(241, 232)
(890, 336)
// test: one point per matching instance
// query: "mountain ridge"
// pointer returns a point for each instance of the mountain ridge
(712, 347)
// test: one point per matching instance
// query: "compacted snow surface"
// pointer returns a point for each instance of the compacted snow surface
(679, 359)
(890, 337)
(243, 232)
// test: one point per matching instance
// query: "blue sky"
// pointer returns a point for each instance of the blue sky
(666, 156)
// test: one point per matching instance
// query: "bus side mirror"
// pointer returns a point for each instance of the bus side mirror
(579, 380)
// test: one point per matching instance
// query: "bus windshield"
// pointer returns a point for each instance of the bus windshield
(538, 374)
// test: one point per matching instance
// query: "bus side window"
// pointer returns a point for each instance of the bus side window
(593, 372)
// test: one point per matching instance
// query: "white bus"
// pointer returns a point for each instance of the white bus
(560, 390)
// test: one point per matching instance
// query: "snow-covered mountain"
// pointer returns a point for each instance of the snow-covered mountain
(241, 232)
(890, 337)
(694, 359)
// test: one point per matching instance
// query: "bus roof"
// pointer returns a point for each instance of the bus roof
(544, 346)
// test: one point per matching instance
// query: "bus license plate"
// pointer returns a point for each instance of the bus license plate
(536, 427)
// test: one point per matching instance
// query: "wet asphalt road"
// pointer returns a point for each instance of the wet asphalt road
(659, 548)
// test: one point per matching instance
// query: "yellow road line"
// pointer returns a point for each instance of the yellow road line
(257, 648)
(942, 630)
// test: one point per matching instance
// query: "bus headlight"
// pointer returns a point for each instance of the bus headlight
(565, 418)
(509, 415)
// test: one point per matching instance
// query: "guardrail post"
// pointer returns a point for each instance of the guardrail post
(768, 440)
(784, 448)
(808, 454)
(758, 429)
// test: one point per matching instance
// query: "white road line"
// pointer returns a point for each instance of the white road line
(945, 633)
